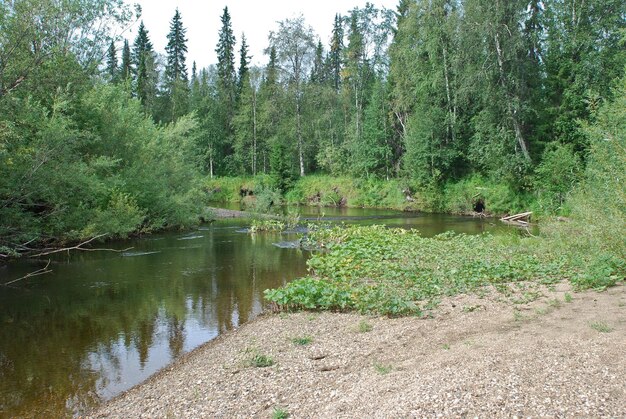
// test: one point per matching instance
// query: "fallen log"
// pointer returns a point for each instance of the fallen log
(517, 217)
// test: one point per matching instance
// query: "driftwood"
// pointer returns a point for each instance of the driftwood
(520, 218)
(41, 271)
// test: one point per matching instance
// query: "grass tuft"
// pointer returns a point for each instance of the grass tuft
(302, 341)
(601, 327)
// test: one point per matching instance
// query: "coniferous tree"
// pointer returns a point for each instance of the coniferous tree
(146, 77)
(126, 69)
(176, 78)
(226, 79)
(111, 68)
(317, 73)
(244, 63)
(336, 52)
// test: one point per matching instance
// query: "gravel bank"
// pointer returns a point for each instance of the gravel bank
(476, 356)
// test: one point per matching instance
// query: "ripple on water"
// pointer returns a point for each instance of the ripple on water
(139, 253)
(192, 237)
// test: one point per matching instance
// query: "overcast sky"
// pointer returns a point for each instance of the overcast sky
(256, 18)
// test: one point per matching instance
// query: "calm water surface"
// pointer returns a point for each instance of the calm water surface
(102, 322)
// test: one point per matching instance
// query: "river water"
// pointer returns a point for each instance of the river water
(102, 322)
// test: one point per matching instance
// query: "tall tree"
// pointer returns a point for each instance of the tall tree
(274, 154)
(318, 73)
(335, 55)
(145, 69)
(246, 124)
(176, 78)
(111, 68)
(584, 54)
(495, 62)
(244, 64)
(226, 79)
(433, 128)
(295, 46)
(126, 68)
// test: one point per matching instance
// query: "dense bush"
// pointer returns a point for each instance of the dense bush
(92, 165)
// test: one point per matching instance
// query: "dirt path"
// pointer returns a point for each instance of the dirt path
(477, 356)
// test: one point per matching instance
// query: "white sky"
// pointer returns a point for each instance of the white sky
(256, 18)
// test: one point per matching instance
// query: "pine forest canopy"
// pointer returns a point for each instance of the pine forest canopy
(104, 134)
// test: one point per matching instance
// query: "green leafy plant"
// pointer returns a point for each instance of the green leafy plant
(280, 413)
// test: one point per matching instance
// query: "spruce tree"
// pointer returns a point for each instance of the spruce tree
(227, 78)
(126, 69)
(145, 71)
(111, 67)
(244, 63)
(336, 52)
(317, 74)
(176, 78)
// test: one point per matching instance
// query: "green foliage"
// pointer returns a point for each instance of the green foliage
(497, 197)
(595, 238)
(556, 176)
(398, 272)
(99, 166)
(280, 413)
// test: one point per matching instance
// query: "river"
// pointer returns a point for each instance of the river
(102, 322)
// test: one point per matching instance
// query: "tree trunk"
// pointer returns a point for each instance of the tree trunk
(299, 134)
(509, 98)
(451, 112)
(254, 139)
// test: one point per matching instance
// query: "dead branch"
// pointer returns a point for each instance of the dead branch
(41, 271)
(79, 246)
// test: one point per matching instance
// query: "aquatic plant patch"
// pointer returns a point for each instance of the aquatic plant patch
(374, 269)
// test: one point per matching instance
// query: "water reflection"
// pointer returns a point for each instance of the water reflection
(102, 322)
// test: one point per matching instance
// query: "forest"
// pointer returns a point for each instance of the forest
(104, 135)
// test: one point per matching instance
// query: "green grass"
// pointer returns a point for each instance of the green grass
(398, 272)
(302, 340)
(601, 327)
(568, 297)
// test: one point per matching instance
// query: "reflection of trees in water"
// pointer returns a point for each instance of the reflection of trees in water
(144, 337)
(176, 336)
(51, 339)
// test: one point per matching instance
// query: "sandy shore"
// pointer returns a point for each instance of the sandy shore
(486, 357)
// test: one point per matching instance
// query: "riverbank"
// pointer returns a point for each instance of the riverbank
(559, 355)
(468, 196)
